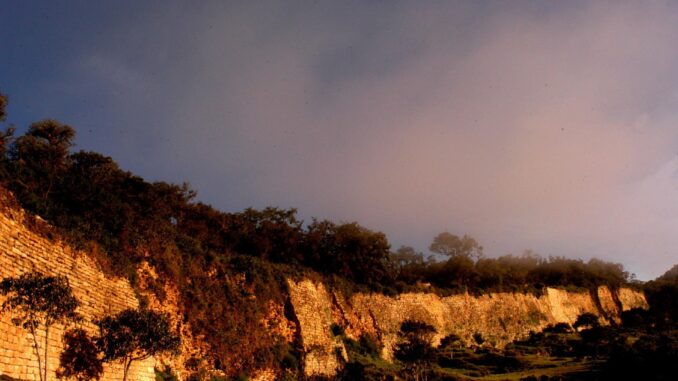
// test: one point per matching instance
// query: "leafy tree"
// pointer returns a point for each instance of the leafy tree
(133, 335)
(406, 259)
(39, 302)
(80, 357)
(272, 233)
(416, 350)
(451, 245)
(40, 160)
(348, 250)
(406, 255)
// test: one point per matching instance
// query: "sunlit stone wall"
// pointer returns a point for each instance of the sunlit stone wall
(21, 251)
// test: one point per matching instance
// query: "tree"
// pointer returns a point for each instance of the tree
(348, 250)
(451, 245)
(133, 335)
(406, 255)
(416, 348)
(39, 302)
(80, 357)
(271, 233)
(40, 160)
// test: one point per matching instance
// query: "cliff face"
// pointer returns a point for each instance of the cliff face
(499, 317)
(21, 251)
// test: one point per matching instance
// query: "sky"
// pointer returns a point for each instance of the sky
(549, 126)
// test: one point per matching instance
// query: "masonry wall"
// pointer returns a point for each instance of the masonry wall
(499, 317)
(21, 251)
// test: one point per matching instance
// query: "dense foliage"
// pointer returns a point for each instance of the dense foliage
(527, 272)
(79, 359)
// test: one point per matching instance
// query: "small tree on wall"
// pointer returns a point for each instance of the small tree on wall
(39, 302)
(133, 335)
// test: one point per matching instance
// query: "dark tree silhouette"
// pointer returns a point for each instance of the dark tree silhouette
(39, 302)
(416, 350)
(40, 159)
(80, 357)
(133, 335)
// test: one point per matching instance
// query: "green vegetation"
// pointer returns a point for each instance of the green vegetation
(38, 302)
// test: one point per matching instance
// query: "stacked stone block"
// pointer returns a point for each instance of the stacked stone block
(23, 250)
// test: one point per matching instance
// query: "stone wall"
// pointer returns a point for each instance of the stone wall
(21, 251)
(499, 317)
(313, 309)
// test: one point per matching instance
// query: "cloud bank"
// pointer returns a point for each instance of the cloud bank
(546, 127)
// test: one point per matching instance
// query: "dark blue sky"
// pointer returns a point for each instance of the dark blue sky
(549, 127)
